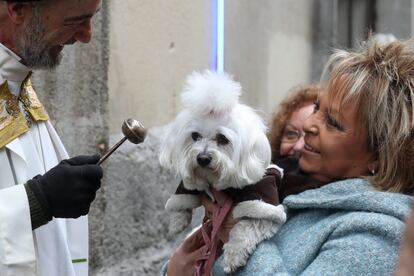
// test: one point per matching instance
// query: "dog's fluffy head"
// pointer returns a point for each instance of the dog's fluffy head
(215, 141)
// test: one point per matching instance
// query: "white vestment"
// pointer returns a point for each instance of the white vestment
(59, 248)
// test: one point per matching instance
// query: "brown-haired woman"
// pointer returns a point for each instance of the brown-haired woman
(286, 125)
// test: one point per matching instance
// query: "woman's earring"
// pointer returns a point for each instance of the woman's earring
(372, 166)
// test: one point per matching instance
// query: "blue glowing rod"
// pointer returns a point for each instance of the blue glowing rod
(218, 36)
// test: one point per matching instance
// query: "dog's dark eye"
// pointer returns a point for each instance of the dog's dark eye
(195, 136)
(221, 139)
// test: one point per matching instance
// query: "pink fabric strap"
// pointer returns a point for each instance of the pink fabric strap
(205, 264)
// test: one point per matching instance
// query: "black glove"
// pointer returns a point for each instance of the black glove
(67, 190)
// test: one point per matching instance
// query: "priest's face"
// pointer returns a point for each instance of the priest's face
(52, 25)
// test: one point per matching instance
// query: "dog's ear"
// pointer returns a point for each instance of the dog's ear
(255, 156)
(173, 141)
(252, 154)
(168, 150)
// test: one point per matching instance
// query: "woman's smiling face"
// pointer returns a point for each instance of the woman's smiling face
(335, 141)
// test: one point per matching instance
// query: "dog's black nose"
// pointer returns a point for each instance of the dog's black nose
(203, 159)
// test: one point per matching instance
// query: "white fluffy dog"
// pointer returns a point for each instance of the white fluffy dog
(217, 142)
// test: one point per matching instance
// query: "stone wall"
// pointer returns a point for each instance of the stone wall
(268, 48)
(395, 17)
(154, 46)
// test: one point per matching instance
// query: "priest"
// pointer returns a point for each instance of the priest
(44, 195)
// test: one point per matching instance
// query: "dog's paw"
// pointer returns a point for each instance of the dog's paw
(233, 257)
(257, 209)
(243, 240)
(238, 248)
(179, 221)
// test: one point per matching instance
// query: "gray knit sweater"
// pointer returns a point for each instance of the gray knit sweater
(343, 228)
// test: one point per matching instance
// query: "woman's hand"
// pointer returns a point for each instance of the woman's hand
(182, 262)
(184, 259)
(228, 222)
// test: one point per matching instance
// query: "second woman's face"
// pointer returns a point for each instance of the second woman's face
(335, 143)
(292, 138)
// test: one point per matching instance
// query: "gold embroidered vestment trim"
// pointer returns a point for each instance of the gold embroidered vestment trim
(12, 121)
(31, 102)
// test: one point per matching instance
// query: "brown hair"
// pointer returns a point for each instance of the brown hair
(298, 97)
(379, 80)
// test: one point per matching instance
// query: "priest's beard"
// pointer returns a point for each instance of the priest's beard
(33, 48)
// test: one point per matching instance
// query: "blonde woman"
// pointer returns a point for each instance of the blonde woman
(359, 142)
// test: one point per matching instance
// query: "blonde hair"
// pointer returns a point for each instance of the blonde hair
(379, 80)
(298, 97)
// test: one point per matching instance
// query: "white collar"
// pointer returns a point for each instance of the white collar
(11, 68)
